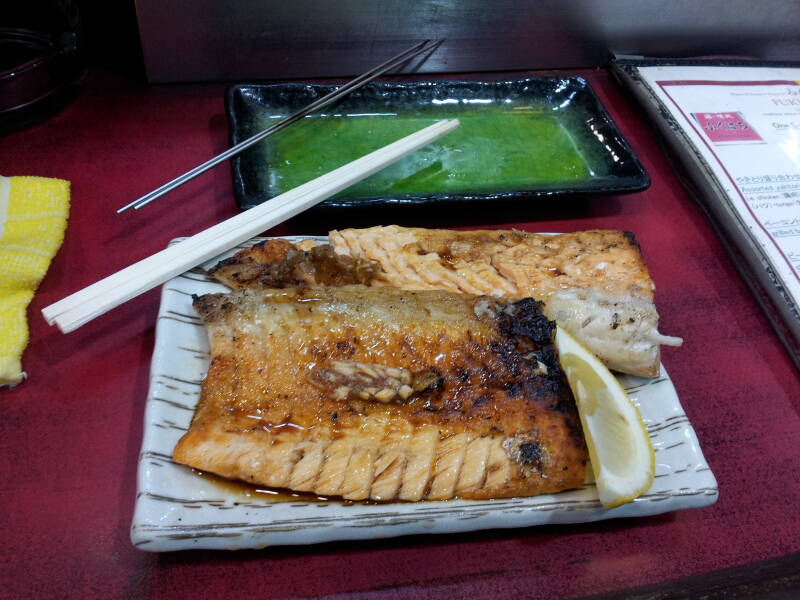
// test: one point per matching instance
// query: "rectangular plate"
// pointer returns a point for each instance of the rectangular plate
(176, 508)
(524, 139)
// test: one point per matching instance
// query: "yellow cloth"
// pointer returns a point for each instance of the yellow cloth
(33, 216)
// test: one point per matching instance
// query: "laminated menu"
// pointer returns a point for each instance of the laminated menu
(736, 129)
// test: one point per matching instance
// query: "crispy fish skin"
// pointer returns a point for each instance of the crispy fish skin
(594, 283)
(277, 263)
(487, 412)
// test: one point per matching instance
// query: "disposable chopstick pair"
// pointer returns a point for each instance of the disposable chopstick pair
(91, 302)
(316, 105)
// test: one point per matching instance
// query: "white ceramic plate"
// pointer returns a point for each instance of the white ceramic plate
(177, 509)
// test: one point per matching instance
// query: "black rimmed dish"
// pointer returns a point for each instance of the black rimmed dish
(527, 140)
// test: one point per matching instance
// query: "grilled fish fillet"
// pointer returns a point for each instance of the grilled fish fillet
(384, 394)
(593, 283)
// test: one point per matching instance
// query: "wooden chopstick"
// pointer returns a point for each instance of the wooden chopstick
(317, 104)
(91, 302)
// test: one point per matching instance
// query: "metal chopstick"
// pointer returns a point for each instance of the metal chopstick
(327, 99)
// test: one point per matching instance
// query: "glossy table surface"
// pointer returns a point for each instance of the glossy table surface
(70, 435)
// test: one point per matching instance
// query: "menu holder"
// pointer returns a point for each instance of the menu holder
(734, 125)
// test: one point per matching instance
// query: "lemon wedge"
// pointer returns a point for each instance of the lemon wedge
(620, 450)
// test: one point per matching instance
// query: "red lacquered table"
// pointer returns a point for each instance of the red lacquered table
(70, 435)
